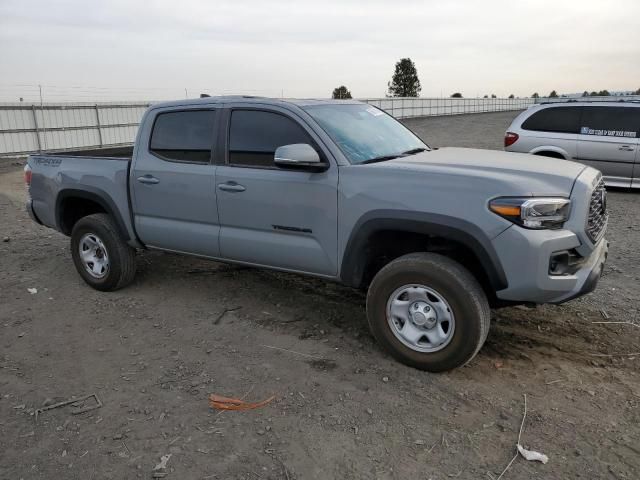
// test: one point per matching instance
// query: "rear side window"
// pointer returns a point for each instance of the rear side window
(255, 135)
(611, 121)
(555, 119)
(183, 136)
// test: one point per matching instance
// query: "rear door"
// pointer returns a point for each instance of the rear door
(608, 141)
(271, 216)
(551, 129)
(172, 182)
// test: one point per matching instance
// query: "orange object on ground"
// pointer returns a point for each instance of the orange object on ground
(225, 403)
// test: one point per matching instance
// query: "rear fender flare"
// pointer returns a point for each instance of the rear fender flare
(93, 194)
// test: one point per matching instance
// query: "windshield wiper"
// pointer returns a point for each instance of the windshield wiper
(380, 159)
(413, 151)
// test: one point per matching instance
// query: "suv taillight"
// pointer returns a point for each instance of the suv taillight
(27, 175)
(510, 138)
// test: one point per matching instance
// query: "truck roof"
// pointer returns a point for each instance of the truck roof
(301, 102)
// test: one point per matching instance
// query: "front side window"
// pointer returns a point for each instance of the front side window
(185, 136)
(611, 121)
(363, 132)
(554, 119)
(255, 135)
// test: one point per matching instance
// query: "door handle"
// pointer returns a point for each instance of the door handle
(627, 148)
(231, 187)
(148, 180)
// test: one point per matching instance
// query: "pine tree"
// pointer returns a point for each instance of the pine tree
(405, 82)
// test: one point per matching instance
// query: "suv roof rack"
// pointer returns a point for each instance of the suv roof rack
(575, 100)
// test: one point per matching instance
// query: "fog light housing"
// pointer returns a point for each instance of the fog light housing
(566, 262)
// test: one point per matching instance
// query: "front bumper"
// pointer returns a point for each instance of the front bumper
(525, 256)
(592, 275)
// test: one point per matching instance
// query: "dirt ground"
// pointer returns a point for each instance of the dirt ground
(343, 409)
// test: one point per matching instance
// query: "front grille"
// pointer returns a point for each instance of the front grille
(598, 215)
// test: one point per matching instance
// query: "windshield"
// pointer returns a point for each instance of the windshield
(365, 133)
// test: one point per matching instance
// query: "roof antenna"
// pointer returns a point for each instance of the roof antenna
(204, 95)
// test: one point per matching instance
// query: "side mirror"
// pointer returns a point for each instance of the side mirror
(299, 156)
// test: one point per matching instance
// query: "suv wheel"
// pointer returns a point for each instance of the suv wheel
(103, 259)
(428, 311)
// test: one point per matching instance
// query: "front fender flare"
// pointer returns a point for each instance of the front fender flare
(461, 231)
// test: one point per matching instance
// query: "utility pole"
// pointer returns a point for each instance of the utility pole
(186, 95)
(44, 136)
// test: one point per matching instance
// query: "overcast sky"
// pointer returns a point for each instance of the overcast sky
(156, 49)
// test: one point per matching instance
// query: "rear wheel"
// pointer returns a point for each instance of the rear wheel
(428, 311)
(550, 154)
(101, 256)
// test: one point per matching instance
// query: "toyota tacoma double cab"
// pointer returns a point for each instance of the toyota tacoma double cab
(342, 191)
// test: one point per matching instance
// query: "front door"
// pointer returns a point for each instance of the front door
(173, 183)
(608, 141)
(272, 216)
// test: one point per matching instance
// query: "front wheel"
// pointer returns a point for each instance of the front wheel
(428, 311)
(101, 256)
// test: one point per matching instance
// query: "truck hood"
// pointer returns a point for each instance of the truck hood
(520, 172)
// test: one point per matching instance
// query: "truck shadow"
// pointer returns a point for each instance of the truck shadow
(315, 309)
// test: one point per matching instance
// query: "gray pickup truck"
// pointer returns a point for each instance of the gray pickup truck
(342, 191)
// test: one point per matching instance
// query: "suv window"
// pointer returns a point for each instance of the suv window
(185, 136)
(611, 121)
(255, 135)
(554, 119)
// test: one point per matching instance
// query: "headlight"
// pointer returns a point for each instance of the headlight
(537, 213)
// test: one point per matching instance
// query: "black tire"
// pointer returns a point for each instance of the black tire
(122, 258)
(460, 290)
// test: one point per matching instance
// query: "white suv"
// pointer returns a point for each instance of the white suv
(604, 135)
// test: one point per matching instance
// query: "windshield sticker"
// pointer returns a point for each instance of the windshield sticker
(607, 133)
(374, 111)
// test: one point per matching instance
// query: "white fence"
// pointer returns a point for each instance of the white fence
(28, 128)
(427, 107)
(71, 126)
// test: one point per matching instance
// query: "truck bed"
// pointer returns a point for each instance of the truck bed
(115, 152)
(99, 178)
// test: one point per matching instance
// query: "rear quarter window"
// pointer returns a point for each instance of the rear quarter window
(611, 121)
(554, 119)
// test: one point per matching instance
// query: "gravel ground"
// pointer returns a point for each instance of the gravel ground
(187, 328)
(481, 130)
